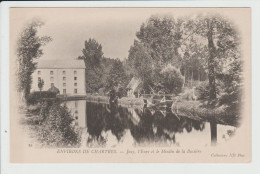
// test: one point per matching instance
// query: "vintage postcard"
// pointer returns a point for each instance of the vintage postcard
(130, 85)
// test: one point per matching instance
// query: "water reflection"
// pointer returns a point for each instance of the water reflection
(113, 125)
(78, 111)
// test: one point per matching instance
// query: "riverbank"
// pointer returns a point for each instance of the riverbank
(196, 110)
(51, 125)
(186, 108)
(124, 101)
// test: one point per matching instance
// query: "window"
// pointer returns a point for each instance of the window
(64, 78)
(64, 84)
(39, 79)
(75, 84)
(52, 78)
(51, 72)
(64, 91)
(52, 84)
(39, 72)
(64, 72)
(75, 72)
(75, 78)
(75, 91)
(76, 104)
(76, 111)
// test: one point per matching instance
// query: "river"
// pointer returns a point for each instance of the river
(113, 126)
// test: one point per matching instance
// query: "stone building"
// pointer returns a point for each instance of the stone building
(66, 75)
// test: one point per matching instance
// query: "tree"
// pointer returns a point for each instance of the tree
(162, 36)
(92, 56)
(156, 46)
(40, 84)
(193, 64)
(29, 49)
(92, 53)
(141, 63)
(222, 40)
(171, 80)
(106, 66)
(233, 85)
(117, 77)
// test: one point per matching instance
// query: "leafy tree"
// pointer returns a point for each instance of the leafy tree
(28, 49)
(162, 36)
(40, 84)
(232, 88)
(222, 41)
(193, 63)
(92, 56)
(171, 80)
(106, 66)
(157, 44)
(142, 64)
(93, 80)
(92, 53)
(117, 77)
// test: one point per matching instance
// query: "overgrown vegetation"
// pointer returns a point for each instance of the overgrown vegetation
(117, 78)
(37, 96)
(29, 48)
(52, 126)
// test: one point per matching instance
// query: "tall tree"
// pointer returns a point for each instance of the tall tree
(92, 56)
(156, 46)
(142, 64)
(221, 38)
(40, 84)
(162, 35)
(92, 53)
(29, 48)
(193, 62)
(117, 77)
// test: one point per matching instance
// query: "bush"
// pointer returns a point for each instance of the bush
(56, 129)
(231, 98)
(171, 80)
(203, 91)
(35, 96)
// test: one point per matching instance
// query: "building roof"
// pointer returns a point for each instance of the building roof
(61, 64)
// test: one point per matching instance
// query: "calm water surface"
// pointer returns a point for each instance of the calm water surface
(113, 126)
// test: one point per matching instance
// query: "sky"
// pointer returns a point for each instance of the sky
(113, 28)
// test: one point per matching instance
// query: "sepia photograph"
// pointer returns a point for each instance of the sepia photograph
(130, 85)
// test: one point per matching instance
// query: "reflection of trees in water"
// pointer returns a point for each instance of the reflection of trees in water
(95, 119)
(101, 117)
(96, 141)
(158, 126)
(117, 121)
(144, 128)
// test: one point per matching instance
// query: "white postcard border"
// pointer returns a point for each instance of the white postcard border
(7, 167)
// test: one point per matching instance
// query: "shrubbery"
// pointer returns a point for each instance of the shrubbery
(203, 91)
(232, 99)
(171, 80)
(34, 97)
(55, 127)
